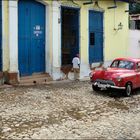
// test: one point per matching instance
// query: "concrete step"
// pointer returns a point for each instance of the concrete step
(35, 79)
(35, 76)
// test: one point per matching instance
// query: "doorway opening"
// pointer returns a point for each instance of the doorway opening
(69, 34)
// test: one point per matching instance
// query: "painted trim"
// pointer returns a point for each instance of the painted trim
(2, 35)
(47, 39)
(96, 10)
(76, 8)
(60, 35)
(13, 36)
(55, 35)
(70, 4)
(55, 49)
(42, 2)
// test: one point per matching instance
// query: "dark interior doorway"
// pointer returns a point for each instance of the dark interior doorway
(70, 34)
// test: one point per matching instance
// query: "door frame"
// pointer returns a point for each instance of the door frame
(103, 32)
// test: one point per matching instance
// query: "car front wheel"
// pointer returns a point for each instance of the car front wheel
(128, 90)
(95, 88)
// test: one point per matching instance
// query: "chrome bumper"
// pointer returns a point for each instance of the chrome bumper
(106, 86)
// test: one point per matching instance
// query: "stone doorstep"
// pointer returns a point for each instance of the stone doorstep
(10, 77)
(40, 75)
(44, 83)
(35, 79)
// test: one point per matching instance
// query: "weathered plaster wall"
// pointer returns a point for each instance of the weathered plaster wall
(134, 44)
(115, 42)
(10, 34)
(5, 32)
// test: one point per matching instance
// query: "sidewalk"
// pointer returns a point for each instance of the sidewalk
(43, 83)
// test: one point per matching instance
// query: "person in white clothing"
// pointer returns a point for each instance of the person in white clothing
(76, 67)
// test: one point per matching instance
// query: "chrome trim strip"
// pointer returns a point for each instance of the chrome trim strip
(108, 86)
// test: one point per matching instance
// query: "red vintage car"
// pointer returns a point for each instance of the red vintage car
(123, 73)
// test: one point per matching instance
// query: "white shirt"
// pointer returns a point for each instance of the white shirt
(76, 62)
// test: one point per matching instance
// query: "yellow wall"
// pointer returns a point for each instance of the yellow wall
(84, 35)
(115, 42)
(5, 35)
(5, 49)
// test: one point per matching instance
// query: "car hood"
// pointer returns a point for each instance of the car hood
(110, 73)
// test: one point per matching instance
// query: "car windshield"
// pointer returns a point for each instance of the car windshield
(122, 64)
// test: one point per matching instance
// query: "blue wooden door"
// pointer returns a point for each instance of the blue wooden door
(0, 35)
(95, 36)
(31, 41)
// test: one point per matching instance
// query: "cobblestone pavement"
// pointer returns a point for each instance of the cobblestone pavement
(68, 110)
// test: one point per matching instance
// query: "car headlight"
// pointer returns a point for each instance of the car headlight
(119, 79)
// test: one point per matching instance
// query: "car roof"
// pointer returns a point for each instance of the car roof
(129, 59)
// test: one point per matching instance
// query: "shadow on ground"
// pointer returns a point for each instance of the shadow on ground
(115, 93)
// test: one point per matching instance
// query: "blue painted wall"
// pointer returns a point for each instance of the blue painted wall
(31, 33)
(95, 36)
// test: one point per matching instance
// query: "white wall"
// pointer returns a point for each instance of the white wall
(134, 44)
(56, 41)
(13, 36)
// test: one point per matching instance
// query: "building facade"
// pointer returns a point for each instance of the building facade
(43, 36)
(134, 36)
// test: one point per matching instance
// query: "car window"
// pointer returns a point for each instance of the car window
(115, 64)
(130, 65)
(123, 64)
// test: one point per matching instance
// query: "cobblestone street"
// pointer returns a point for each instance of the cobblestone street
(67, 110)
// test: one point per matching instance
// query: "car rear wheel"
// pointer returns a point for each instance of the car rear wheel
(128, 90)
(95, 88)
